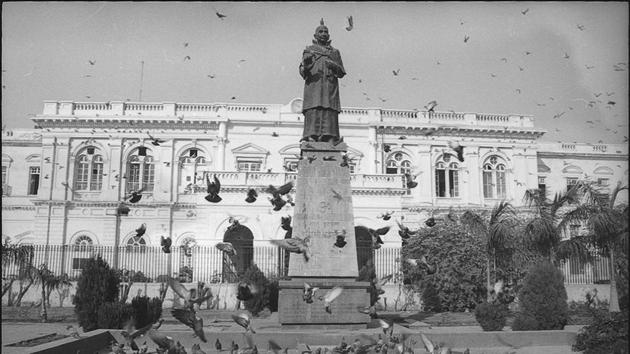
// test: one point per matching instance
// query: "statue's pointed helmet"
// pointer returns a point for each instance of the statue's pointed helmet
(321, 25)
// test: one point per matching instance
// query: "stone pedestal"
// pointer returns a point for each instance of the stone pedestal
(323, 209)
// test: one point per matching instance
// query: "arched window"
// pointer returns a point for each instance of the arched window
(88, 170)
(494, 178)
(140, 172)
(398, 163)
(83, 243)
(446, 177)
(136, 244)
(193, 167)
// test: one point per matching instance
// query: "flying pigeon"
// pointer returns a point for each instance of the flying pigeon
(135, 196)
(330, 296)
(410, 181)
(166, 244)
(458, 149)
(213, 190)
(350, 24)
(376, 236)
(130, 335)
(188, 317)
(220, 15)
(246, 291)
(294, 245)
(430, 222)
(341, 238)
(309, 292)
(141, 230)
(244, 320)
(155, 141)
(200, 295)
(386, 215)
(404, 231)
(92, 62)
(395, 72)
(277, 194)
(251, 195)
(227, 248)
(431, 106)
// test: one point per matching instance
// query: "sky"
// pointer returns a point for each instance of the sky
(565, 63)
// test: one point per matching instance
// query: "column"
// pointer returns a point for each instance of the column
(373, 152)
(163, 172)
(423, 192)
(221, 141)
(113, 169)
(58, 175)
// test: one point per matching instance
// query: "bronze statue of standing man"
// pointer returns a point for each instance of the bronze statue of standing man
(321, 68)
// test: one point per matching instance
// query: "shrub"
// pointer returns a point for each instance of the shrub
(430, 298)
(543, 298)
(253, 275)
(524, 322)
(460, 259)
(274, 292)
(97, 285)
(491, 316)
(368, 273)
(146, 310)
(608, 333)
(139, 277)
(113, 315)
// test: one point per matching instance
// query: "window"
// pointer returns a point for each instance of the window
(253, 165)
(542, 186)
(33, 180)
(193, 167)
(603, 182)
(397, 163)
(446, 178)
(83, 243)
(494, 178)
(136, 244)
(88, 171)
(140, 172)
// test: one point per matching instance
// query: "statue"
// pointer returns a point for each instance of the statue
(321, 68)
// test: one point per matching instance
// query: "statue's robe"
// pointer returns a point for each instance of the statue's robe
(321, 68)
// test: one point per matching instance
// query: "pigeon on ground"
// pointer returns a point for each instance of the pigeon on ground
(213, 190)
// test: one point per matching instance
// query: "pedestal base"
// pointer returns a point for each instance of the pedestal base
(294, 312)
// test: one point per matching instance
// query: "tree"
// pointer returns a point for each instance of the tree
(22, 256)
(608, 226)
(551, 217)
(495, 231)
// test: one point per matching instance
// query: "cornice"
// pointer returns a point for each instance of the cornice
(429, 131)
(578, 155)
(127, 122)
(18, 207)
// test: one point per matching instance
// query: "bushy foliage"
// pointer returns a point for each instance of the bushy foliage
(524, 322)
(460, 259)
(430, 298)
(146, 310)
(97, 285)
(274, 293)
(253, 275)
(368, 273)
(113, 315)
(608, 333)
(543, 297)
(139, 277)
(491, 316)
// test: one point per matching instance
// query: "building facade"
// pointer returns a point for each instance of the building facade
(63, 182)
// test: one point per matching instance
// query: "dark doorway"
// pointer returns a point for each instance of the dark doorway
(365, 251)
(243, 241)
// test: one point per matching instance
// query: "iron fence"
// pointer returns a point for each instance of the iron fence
(208, 264)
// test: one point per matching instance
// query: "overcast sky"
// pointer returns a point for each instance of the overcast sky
(254, 54)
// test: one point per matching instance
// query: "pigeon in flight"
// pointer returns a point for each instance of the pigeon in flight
(92, 62)
(166, 244)
(141, 230)
(395, 72)
(431, 106)
(308, 294)
(580, 27)
(410, 181)
(350, 24)
(458, 149)
(386, 215)
(188, 317)
(155, 141)
(251, 195)
(404, 231)
(277, 201)
(244, 320)
(524, 12)
(135, 196)
(246, 291)
(377, 241)
(227, 248)
(219, 15)
(187, 58)
(294, 245)
(466, 38)
(213, 190)
(330, 296)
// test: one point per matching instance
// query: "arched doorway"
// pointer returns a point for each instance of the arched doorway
(242, 239)
(365, 251)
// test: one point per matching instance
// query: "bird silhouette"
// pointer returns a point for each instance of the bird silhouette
(524, 12)
(277, 194)
(430, 107)
(134, 197)
(336, 195)
(396, 72)
(558, 115)
(244, 320)
(217, 345)
(92, 62)
(430, 222)
(211, 76)
(187, 58)
(130, 334)
(220, 15)
(404, 231)
(466, 38)
(191, 297)
(189, 317)
(459, 150)
(295, 245)
(566, 55)
(589, 67)
(350, 24)
(227, 248)
(163, 341)
(386, 215)
(580, 27)
(341, 238)
(379, 283)
(196, 349)
(213, 190)
(155, 141)
(528, 53)
(330, 296)
(376, 236)
(309, 293)
(410, 181)
(141, 230)
(166, 244)
(251, 195)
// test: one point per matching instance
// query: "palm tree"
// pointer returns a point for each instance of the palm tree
(608, 224)
(496, 232)
(546, 229)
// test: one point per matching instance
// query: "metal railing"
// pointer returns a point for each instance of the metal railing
(208, 264)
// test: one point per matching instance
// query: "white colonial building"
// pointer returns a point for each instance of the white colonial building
(63, 182)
